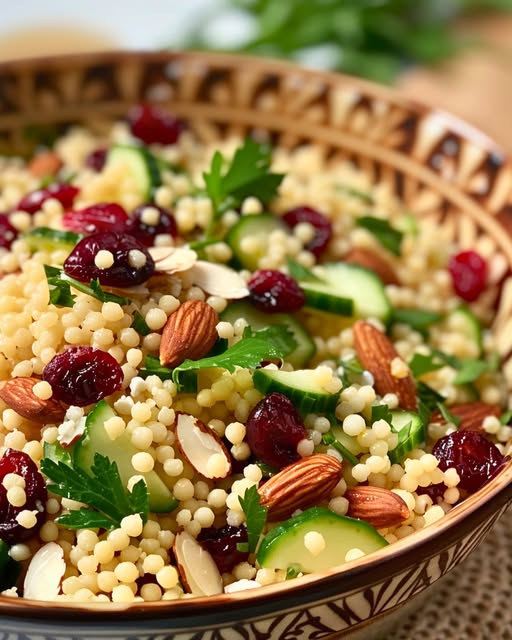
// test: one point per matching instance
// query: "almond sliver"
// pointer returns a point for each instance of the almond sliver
(196, 567)
(202, 447)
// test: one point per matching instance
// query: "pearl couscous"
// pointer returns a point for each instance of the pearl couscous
(205, 350)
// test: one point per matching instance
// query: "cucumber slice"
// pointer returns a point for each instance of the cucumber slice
(47, 239)
(256, 319)
(411, 434)
(55, 451)
(120, 451)
(248, 238)
(348, 289)
(464, 321)
(299, 386)
(142, 165)
(349, 442)
(284, 546)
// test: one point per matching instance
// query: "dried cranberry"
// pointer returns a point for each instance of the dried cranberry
(321, 224)
(274, 429)
(96, 159)
(131, 263)
(63, 192)
(274, 292)
(8, 233)
(82, 375)
(475, 458)
(143, 227)
(14, 461)
(469, 274)
(152, 124)
(222, 545)
(104, 216)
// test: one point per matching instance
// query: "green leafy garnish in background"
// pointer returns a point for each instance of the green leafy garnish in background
(375, 39)
(389, 237)
(255, 516)
(101, 489)
(59, 285)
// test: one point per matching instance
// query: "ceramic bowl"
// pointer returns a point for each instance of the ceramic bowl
(440, 168)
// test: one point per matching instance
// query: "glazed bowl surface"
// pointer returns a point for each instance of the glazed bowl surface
(441, 169)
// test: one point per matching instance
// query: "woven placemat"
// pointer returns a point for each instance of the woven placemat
(474, 601)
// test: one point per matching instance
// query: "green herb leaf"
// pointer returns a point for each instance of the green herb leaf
(506, 417)
(428, 400)
(140, 325)
(59, 284)
(421, 364)
(101, 489)
(299, 272)
(248, 174)
(255, 515)
(329, 439)
(419, 319)
(381, 412)
(275, 341)
(388, 236)
(355, 193)
(470, 370)
(293, 571)
(447, 414)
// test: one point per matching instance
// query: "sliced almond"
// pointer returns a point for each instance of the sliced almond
(202, 447)
(374, 262)
(173, 259)
(300, 485)
(378, 355)
(18, 394)
(378, 506)
(471, 414)
(44, 573)
(198, 571)
(218, 280)
(190, 332)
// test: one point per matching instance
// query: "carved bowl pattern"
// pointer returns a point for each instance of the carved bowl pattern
(440, 167)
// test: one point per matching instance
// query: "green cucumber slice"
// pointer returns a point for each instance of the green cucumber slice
(256, 319)
(254, 229)
(465, 321)
(411, 434)
(348, 289)
(299, 386)
(47, 239)
(142, 165)
(120, 451)
(284, 545)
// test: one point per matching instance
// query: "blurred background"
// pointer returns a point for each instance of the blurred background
(454, 54)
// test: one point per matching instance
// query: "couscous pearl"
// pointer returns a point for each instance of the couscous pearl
(314, 542)
(217, 498)
(20, 552)
(143, 462)
(167, 577)
(11, 480)
(354, 554)
(104, 551)
(86, 539)
(183, 489)
(42, 390)
(104, 259)
(132, 525)
(126, 572)
(107, 580)
(27, 519)
(142, 437)
(204, 516)
(122, 593)
(153, 564)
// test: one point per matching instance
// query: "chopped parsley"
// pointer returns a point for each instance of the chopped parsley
(60, 284)
(101, 489)
(255, 516)
(389, 237)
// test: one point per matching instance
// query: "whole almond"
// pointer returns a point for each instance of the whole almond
(471, 414)
(44, 164)
(378, 506)
(18, 395)
(374, 262)
(190, 332)
(300, 485)
(377, 354)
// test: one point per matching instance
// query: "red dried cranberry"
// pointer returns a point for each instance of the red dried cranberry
(14, 461)
(96, 159)
(222, 545)
(321, 224)
(475, 458)
(8, 233)
(274, 292)
(104, 216)
(82, 375)
(63, 192)
(469, 274)
(126, 269)
(274, 429)
(145, 231)
(152, 124)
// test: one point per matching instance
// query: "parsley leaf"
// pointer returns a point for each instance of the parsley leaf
(469, 370)
(389, 237)
(428, 401)
(330, 440)
(419, 319)
(275, 341)
(381, 412)
(299, 272)
(59, 284)
(355, 193)
(421, 364)
(255, 515)
(101, 489)
(247, 175)
(448, 415)
(140, 325)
